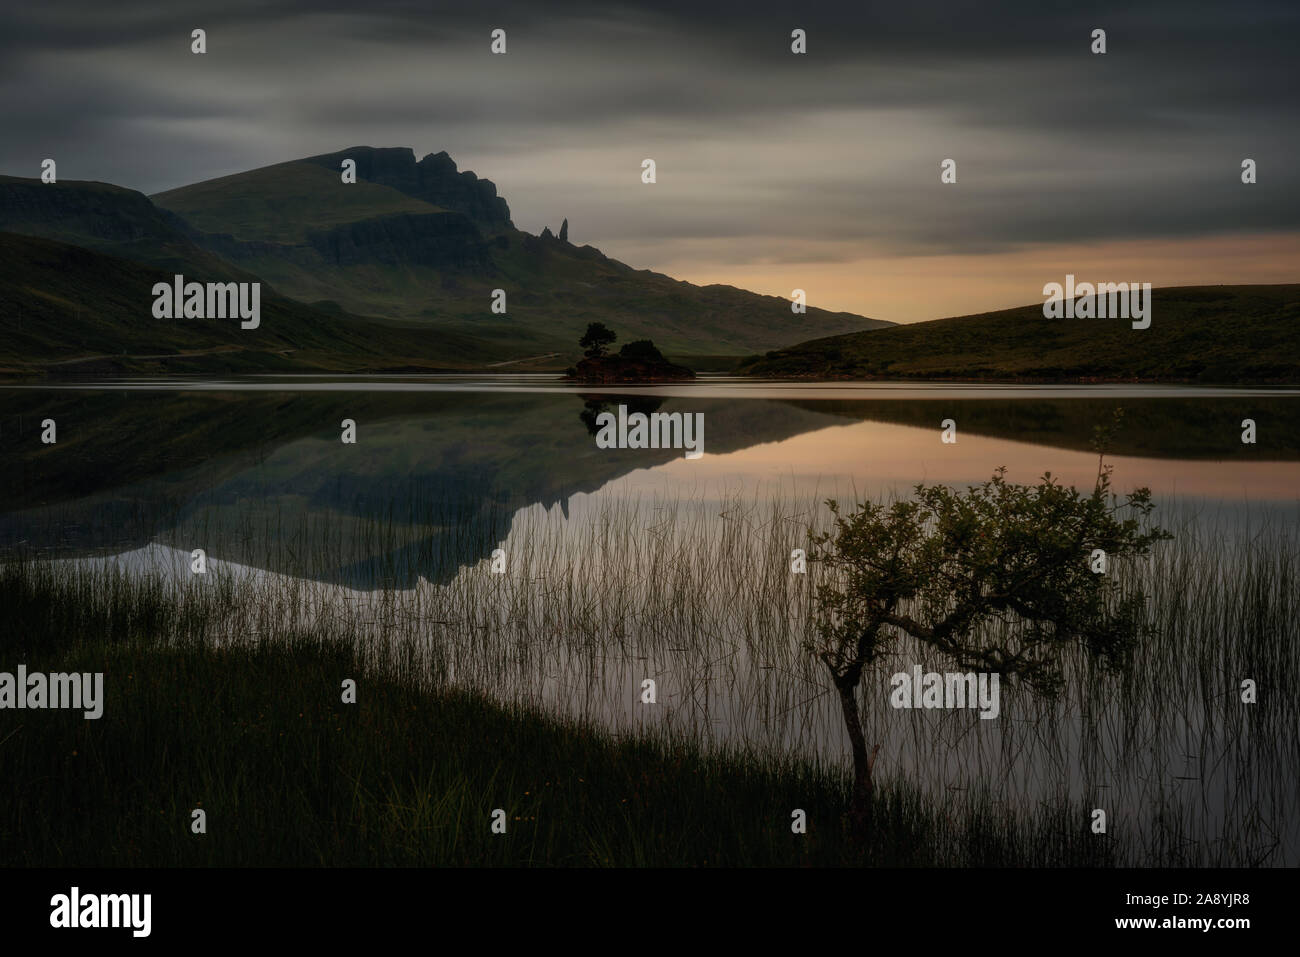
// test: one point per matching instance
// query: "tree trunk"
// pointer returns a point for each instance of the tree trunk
(860, 804)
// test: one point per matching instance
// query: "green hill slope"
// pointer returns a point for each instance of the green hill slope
(1208, 334)
(68, 309)
(107, 218)
(422, 242)
(282, 204)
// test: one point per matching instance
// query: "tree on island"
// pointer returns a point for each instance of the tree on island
(641, 350)
(637, 361)
(946, 568)
(596, 339)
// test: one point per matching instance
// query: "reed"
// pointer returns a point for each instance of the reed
(522, 691)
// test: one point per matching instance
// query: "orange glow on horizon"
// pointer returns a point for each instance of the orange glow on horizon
(917, 288)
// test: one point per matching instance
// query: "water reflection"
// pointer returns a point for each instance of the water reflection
(632, 563)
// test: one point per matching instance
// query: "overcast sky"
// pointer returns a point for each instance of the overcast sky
(775, 170)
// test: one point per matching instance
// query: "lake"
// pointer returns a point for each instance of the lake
(477, 526)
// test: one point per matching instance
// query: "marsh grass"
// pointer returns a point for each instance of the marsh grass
(521, 691)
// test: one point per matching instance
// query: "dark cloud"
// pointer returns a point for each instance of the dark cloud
(1052, 143)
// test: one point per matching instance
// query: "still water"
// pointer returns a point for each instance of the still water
(626, 564)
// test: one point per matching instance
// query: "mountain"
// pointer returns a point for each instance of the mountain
(67, 308)
(421, 242)
(106, 218)
(1207, 334)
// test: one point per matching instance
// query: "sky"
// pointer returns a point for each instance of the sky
(775, 170)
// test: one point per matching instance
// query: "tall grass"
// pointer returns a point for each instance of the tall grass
(477, 683)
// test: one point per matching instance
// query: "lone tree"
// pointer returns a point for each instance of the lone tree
(998, 578)
(596, 339)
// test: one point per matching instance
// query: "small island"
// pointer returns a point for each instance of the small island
(637, 361)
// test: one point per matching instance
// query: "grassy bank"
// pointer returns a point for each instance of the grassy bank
(1185, 343)
(257, 736)
(519, 691)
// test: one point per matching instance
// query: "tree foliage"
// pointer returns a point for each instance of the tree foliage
(641, 350)
(596, 340)
(995, 578)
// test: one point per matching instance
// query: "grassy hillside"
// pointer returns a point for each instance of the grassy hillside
(283, 203)
(65, 309)
(110, 219)
(1208, 334)
(380, 248)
